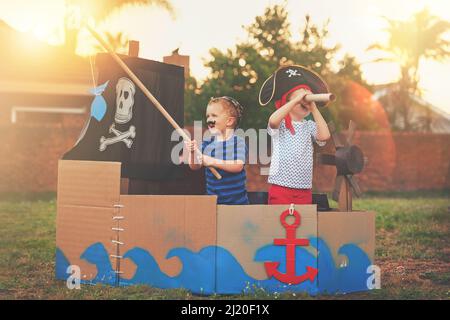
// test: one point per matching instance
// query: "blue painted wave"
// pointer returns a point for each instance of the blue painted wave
(61, 265)
(334, 279)
(215, 270)
(96, 254)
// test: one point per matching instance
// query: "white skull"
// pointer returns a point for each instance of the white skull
(293, 73)
(125, 91)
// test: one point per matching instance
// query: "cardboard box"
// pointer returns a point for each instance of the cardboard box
(187, 241)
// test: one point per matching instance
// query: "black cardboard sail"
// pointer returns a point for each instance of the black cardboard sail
(133, 131)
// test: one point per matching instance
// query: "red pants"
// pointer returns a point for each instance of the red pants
(285, 195)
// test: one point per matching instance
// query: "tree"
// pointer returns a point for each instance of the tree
(118, 41)
(409, 43)
(240, 71)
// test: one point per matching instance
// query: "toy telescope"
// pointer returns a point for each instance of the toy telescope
(320, 97)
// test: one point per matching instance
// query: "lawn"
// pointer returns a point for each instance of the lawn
(412, 249)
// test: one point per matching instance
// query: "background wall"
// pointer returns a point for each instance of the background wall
(396, 161)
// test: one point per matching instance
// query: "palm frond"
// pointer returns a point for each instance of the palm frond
(100, 9)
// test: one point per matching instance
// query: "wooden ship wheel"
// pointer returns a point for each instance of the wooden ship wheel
(348, 160)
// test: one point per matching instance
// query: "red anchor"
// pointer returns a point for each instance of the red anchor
(290, 242)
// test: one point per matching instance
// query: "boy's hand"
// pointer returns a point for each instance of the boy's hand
(300, 98)
(192, 147)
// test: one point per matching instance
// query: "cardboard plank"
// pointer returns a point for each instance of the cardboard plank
(88, 183)
(243, 230)
(158, 225)
(200, 221)
(83, 236)
(338, 228)
(150, 226)
(353, 235)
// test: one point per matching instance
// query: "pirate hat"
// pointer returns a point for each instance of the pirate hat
(287, 78)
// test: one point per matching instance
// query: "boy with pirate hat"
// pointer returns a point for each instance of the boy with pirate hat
(291, 166)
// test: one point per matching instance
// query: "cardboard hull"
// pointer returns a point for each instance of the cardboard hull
(187, 241)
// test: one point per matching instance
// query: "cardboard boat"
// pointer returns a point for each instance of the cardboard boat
(187, 241)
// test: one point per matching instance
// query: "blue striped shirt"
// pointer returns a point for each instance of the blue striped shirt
(231, 188)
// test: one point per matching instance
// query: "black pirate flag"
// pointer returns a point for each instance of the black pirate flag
(132, 131)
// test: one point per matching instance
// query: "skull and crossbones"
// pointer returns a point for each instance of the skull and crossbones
(125, 91)
(293, 73)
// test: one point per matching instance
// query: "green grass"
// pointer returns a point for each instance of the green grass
(412, 249)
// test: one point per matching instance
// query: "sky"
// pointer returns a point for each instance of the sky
(200, 25)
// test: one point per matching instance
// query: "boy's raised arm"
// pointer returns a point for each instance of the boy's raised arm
(276, 117)
(233, 166)
(323, 133)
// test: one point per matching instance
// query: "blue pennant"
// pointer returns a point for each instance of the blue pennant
(98, 106)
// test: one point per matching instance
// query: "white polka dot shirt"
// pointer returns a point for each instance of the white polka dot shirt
(292, 154)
